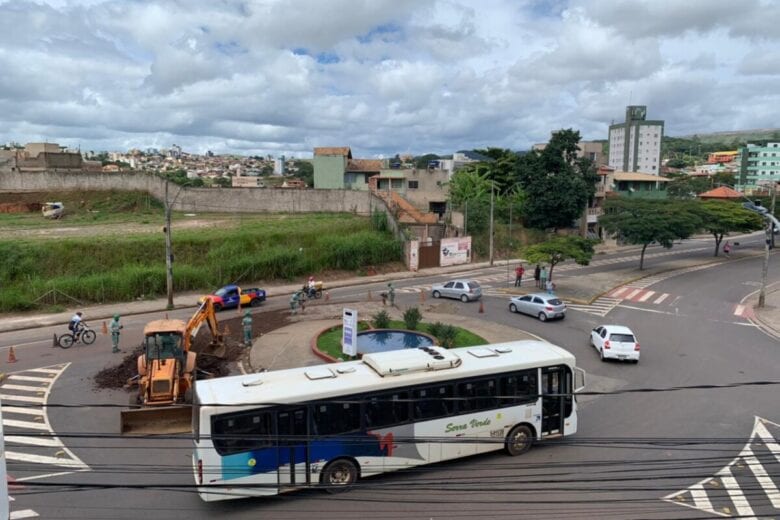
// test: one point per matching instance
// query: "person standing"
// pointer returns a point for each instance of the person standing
(391, 294)
(727, 248)
(294, 303)
(550, 286)
(519, 272)
(246, 323)
(543, 278)
(537, 274)
(115, 328)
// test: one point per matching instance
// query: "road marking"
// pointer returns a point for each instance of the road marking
(16, 377)
(46, 370)
(661, 298)
(633, 293)
(618, 292)
(25, 398)
(646, 296)
(24, 424)
(24, 513)
(25, 411)
(738, 310)
(33, 441)
(764, 479)
(43, 459)
(25, 388)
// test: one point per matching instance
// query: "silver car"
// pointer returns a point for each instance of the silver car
(543, 306)
(463, 290)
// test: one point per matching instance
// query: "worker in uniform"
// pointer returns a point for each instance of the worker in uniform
(247, 324)
(294, 302)
(115, 328)
(391, 294)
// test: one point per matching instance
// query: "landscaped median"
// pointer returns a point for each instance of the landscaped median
(327, 343)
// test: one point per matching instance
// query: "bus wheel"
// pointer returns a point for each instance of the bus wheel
(519, 440)
(339, 475)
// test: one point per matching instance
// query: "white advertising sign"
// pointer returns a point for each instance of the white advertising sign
(349, 332)
(455, 251)
(414, 247)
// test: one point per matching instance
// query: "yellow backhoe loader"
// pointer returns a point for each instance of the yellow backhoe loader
(166, 374)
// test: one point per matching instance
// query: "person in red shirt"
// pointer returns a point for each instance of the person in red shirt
(519, 271)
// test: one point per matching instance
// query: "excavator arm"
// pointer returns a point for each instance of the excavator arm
(205, 314)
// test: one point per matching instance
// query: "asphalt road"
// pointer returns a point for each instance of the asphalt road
(696, 447)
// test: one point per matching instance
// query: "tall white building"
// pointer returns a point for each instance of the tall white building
(635, 146)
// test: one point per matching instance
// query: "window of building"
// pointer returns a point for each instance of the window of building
(413, 185)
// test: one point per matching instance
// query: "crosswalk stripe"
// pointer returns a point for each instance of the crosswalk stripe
(30, 378)
(769, 440)
(661, 298)
(25, 398)
(33, 441)
(21, 515)
(42, 459)
(25, 388)
(46, 370)
(24, 424)
(646, 296)
(764, 480)
(738, 310)
(618, 292)
(25, 411)
(633, 293)
(700, 498)
(735, 492)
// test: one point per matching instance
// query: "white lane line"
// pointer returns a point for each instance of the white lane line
(25, 411)
(735, 493)
(24, 388)
(700, 498)
(661, 298)
(617, 293)
(25, 398)
(646, 296)
(633, 293)
(24, 424)
(42, 459)
(24, 513)
(33, 441)
(738, 310)
(30, 378)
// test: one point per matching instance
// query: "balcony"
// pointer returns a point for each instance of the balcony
(593, 214)
(601, 191)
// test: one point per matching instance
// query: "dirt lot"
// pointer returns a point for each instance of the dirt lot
(116, 376)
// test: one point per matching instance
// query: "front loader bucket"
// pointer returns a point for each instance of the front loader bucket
(157, 420)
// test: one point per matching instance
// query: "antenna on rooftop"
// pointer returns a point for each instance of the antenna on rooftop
(630, 94)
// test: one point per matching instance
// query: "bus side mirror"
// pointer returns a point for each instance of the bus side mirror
(579, 380)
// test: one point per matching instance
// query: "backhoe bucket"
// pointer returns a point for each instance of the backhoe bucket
(157, 420)
(216, 349)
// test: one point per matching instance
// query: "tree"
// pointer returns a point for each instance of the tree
(222, 182)
(470, 184)
(558, 249)
(306, 172)
(557, 184)
(722, 217)
(643, 222)
(686, 187)
(724, 178)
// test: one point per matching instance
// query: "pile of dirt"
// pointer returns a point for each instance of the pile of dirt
(116, 376)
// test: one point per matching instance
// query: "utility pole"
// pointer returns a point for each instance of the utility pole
(770, 236)
(772, 211)
(466, 218)
(4, 501)
(168, 249)
(491, 225)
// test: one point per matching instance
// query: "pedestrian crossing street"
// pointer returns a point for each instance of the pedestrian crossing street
(747, 487)
(33, 450)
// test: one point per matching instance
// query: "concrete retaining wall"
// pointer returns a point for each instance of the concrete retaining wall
(252, 200)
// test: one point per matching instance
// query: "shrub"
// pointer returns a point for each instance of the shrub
(434, 329)
(412, 318)
(381, 320)
(447, 336)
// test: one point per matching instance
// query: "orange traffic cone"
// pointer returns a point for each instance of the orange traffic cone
(481, 307)
(11, 355)
(105, 328)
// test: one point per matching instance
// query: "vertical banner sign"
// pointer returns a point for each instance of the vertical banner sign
(349, 332)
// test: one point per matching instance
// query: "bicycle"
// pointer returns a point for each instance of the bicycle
(83, 334)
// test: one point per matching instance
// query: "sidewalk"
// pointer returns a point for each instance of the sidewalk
(768, 317)
(290, 346)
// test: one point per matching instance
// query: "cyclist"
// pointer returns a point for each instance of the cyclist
(75, 324)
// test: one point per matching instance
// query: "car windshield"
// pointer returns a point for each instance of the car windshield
(221, 292)
(623, 338)
(554, 301)
(474, 285)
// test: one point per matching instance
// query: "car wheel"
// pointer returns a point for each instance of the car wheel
(339, 475)
(217, 307)
(635, 361)
(542, 316)
(436, 294)
(519, 440)
(464, 298)
(601, 354)
(590, 340)
(255, 303)
(512, 307)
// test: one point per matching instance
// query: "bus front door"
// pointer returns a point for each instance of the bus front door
(293, 447)
(555, 404)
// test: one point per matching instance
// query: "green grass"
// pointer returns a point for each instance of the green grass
(330, 342)
(120, 267)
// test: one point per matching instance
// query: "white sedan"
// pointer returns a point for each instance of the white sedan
(615, 342)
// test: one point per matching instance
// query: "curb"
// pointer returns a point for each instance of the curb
(316, 351)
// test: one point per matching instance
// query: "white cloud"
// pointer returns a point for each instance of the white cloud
(381, 76)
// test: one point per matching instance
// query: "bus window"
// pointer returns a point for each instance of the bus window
(477, 395)
(236, 433)
(336, 417)
(387, 409)
(518, 388)
(433, 402)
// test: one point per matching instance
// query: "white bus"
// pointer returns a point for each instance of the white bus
(329, 425)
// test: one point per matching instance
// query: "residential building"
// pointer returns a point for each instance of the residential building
(330, 163)
(759, 164)
(722, 157)
(635, 145)
(722, 193)
(593, 150)
(636, 184)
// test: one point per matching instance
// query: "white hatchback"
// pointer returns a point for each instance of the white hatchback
(615, 342)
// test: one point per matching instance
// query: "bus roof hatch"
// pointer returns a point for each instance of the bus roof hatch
(399, 362)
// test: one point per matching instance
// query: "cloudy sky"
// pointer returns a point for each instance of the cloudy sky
(381, 76)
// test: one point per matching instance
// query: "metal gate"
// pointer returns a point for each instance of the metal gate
(429, 255)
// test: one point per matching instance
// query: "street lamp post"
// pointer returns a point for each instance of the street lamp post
(771, 223)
